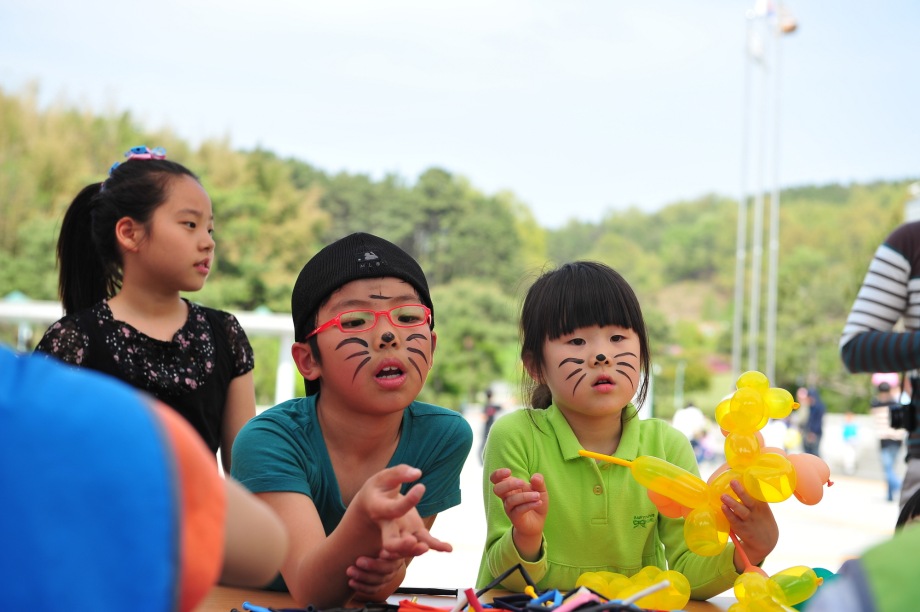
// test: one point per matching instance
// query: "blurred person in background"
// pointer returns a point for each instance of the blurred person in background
(889, 438)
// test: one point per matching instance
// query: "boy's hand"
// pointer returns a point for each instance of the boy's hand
(753, 522)
(370, 574)
(407, 536)
(526, 504)
(402, 531)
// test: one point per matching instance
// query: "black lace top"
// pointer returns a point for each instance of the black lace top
(191, 372)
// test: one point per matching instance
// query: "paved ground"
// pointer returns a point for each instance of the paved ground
(852, 516)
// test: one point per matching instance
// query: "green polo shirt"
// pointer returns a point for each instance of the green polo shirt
(600, 518)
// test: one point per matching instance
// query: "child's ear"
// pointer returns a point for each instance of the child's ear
(434, 343)
(307, 364)
(128, 233)
(531, 368)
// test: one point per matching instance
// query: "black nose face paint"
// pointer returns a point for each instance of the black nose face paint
(388, 337)
(601, 357)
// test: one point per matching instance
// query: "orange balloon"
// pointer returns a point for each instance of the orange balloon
(718, 471)
(812, 474)
(666, 506)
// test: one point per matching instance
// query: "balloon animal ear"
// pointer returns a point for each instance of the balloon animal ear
(812, 474)
(667, 506)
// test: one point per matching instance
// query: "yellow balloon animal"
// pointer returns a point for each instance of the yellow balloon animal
(768, 474)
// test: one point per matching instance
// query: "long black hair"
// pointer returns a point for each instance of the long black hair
(577, 294)
(909, 511)
(89, 262)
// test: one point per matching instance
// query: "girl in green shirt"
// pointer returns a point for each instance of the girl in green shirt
(558, 514)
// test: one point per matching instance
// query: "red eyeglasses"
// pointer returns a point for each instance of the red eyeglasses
(354, 321)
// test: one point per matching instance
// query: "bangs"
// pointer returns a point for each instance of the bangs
(577, 295)
(588, 296)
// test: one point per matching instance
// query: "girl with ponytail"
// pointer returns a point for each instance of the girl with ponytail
(128, 247)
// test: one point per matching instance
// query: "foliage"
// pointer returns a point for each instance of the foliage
(476, 325)
(479, 251)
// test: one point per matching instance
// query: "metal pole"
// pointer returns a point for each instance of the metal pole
(773, 276)
(741, 238)
(757, 249)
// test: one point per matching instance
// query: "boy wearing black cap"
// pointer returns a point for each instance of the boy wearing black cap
(336, 465)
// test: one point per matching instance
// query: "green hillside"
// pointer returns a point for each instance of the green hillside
(479, 250)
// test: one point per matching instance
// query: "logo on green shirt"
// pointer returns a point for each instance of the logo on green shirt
(643, 520)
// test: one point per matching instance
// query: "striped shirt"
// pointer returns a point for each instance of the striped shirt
(889, 293)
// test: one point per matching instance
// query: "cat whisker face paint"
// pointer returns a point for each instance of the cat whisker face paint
(420, 353)
(390, 367)
(629, 369)
(578, 372)
(358, 354)
(595, 365)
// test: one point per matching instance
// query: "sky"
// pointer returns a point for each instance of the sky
(580, 108)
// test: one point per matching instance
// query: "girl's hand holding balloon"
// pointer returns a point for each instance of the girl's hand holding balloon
(526, 504)
(753, 523)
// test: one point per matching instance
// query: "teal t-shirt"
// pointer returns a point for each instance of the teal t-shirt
(600, 518)
(283, 450)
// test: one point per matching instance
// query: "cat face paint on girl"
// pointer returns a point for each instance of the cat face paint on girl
(593, 370)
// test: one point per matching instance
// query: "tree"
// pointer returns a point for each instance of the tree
(477, 342)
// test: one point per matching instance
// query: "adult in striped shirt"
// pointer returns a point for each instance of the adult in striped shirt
(890, 293)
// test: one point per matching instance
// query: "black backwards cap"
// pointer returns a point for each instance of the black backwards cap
(350, 258)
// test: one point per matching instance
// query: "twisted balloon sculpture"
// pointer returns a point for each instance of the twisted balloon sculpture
(768, 474)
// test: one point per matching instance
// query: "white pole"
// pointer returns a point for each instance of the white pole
(741, 237)
(757, 246)
(773, 276)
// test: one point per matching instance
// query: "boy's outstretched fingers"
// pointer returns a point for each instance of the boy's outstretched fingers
(407, 536)
(432, 543)
(397, 475)
(402, 530)
(384, 501)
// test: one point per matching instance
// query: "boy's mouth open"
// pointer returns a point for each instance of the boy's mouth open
(390, 375)
(389, 372)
